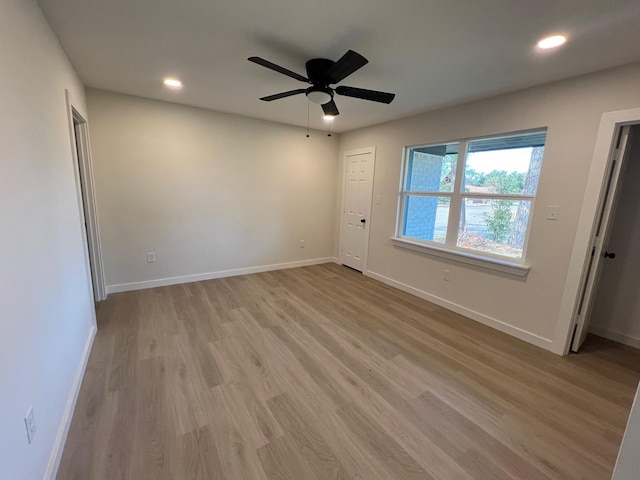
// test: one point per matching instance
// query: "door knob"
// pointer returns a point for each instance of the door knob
(609, 255)
(363, 221)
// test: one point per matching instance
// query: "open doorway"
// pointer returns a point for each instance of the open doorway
(616, 307)
(608, 303)
(86, 192)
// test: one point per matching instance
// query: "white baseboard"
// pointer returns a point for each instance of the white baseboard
(615, 336)
(163, 282)
(472, 314)
(63, 430)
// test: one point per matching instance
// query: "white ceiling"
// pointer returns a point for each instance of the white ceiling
(431, 53)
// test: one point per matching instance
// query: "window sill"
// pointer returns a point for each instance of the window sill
(499, 265)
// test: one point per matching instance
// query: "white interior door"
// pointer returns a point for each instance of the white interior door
(593, 267)
(356, 208)
(87, 203)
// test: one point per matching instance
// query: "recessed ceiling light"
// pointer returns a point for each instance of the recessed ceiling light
(173, 83)
(552, 42)
(328, 118)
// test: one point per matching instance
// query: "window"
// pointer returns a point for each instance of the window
(472, 196)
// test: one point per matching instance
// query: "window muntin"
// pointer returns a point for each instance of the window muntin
(486, 212)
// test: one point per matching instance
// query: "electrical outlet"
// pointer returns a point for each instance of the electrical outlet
(151, 257)
(301, 243)
(30, 423)
(445, 275)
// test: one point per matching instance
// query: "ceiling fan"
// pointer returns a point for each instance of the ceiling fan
(321, 74)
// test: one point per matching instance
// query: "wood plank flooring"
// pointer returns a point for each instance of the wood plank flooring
(321, 373)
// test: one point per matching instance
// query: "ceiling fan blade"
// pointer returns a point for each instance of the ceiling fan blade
(278, 68)
(349, 63)
(277, 96)
(364, 94)
(330, 108)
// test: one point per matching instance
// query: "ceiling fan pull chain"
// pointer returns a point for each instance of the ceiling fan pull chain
(307, 118)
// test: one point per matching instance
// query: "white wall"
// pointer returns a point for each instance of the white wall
(529, 307)
(616, 311)
(46, 317)
(628, 463)
(208, 192)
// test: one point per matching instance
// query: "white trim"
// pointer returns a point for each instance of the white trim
(487, 196)
(524, 335)
(609, 124)
(615, 336)
(63, 429)
(83, 169)
(497, 264)
(163, 282)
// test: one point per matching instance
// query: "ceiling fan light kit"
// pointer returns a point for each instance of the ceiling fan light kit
(319, 95)
(321, 74)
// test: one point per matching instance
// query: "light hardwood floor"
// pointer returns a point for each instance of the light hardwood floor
(322, 373)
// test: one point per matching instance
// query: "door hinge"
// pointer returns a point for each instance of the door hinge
(617, 154)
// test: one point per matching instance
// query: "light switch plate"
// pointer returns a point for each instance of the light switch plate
(553, 212)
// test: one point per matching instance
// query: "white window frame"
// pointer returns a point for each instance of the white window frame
(449, 249)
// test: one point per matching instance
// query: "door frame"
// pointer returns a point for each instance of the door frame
(607, 209)
(85, 187)
(365, 250)
(610, 125)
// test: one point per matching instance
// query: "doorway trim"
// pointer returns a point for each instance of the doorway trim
(610, 123)
(83, 170)
(365, 250)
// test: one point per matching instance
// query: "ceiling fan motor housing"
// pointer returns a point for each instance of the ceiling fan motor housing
(317, 69)
(320, 92)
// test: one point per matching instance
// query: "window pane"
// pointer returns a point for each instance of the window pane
(494, 226)
(426, 217)
(432, 169)
(504, 164)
